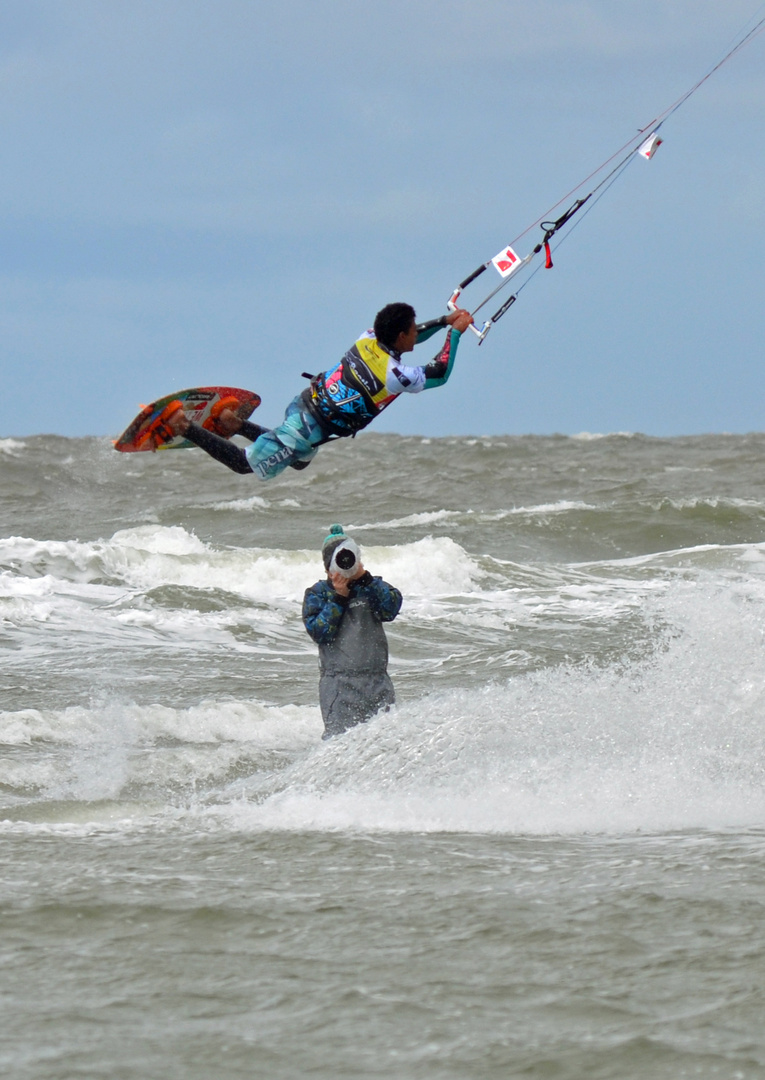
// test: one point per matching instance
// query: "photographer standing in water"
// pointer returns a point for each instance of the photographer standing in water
(344, 615)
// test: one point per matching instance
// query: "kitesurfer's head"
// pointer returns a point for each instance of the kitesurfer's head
(340, 553)
(395, 327)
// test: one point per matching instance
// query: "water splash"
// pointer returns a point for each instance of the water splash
(675, 741)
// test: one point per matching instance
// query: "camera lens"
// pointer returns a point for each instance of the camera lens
(345, 559)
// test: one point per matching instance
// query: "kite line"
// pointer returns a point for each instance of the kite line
(644, 143)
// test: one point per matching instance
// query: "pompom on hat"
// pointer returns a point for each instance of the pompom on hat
(335, 542)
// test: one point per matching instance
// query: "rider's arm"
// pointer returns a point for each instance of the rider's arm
(402, 379)
(405, 379)
(429, 329)
(437, 372)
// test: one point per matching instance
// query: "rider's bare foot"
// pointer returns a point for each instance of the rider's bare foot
(227, 423)
(177, 421)
(224, 418)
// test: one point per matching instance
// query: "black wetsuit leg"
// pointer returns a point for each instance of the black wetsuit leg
(224, 450)
(252, 431)
(229, 453)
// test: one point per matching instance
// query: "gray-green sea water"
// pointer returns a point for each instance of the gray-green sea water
(546, 861)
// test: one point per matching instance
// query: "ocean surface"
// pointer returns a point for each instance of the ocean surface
(547, 861)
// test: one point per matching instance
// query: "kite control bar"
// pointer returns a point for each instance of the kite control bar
(507, 264)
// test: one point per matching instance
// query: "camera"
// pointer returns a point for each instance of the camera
(345, 558)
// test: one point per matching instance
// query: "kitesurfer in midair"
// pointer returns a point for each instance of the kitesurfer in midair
(338, 403)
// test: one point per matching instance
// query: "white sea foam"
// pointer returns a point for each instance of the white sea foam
(429, 518)
(12, 447)
(152, 556)
(438, 517)
(211, 722)
(710, 503)
(254, 502)
(563, 506)
(673, 742)
(592, 436)
(110, 749)
(668, 742)
(94, 589)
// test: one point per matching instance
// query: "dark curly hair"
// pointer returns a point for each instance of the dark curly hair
(394, 319)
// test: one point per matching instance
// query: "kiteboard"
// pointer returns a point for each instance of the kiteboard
(201, 403)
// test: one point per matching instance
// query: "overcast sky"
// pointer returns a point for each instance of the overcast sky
(226, 191)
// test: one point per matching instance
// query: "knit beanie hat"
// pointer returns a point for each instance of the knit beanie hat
(335, 542)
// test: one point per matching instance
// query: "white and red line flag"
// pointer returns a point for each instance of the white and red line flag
(506, 261)
(650, 146)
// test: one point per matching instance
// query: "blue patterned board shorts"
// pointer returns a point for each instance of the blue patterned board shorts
(297, 438)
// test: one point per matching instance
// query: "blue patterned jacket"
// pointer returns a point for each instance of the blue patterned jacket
(323, 608)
